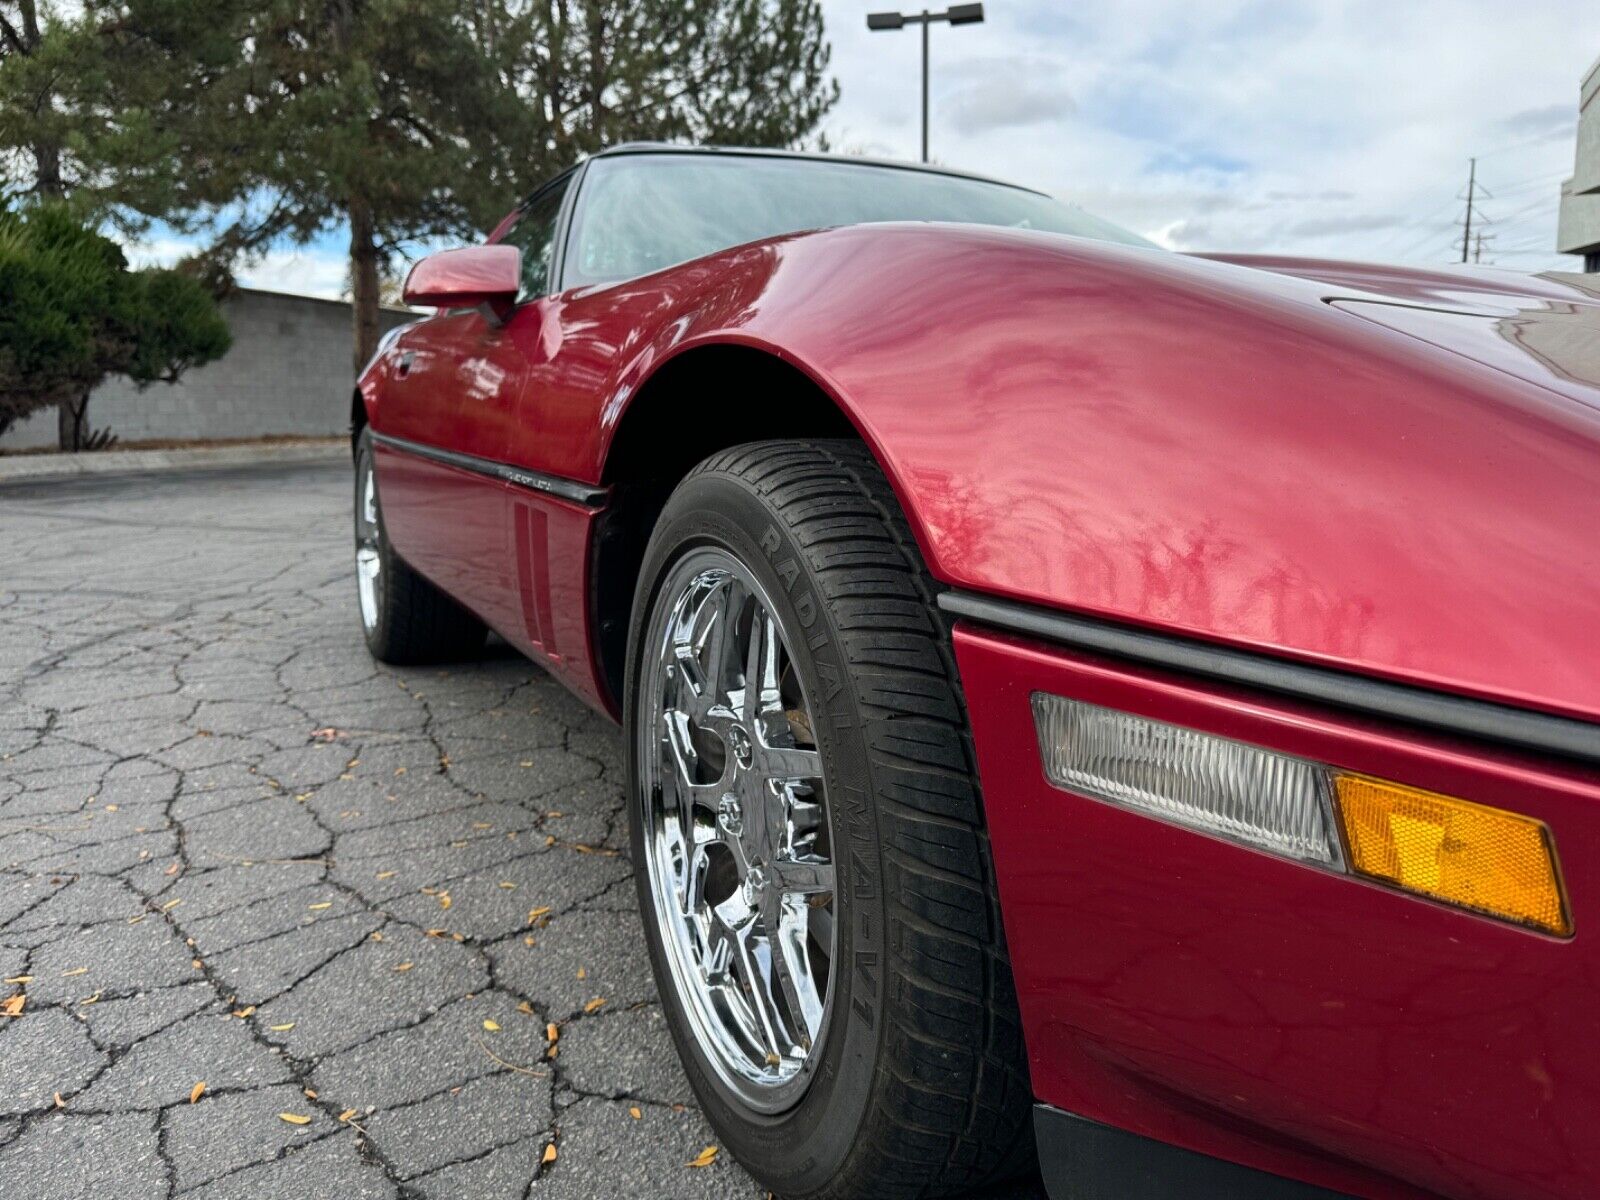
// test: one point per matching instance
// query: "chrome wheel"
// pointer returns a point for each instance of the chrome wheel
(737, 847)
(369, 535)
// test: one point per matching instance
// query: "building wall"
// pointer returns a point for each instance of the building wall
(1578, 226)
(288, 373)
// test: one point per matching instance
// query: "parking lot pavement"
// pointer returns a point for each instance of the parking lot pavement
(289, 923)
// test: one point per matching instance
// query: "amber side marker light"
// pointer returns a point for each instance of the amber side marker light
(1466, 854)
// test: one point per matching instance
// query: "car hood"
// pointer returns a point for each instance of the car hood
(1544, 329)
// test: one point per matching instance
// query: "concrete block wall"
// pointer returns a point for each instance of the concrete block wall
(288, 373)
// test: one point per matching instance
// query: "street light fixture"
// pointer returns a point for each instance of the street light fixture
(956, 14)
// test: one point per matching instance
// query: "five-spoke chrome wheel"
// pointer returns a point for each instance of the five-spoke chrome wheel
(737, 845)
(369, 554)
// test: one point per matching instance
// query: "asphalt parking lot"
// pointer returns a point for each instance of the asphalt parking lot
(353, 902)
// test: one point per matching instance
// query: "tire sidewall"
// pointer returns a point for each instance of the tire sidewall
(800, 1150)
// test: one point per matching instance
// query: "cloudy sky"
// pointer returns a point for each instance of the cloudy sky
(1303, 126)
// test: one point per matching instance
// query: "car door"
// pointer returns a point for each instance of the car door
(465, 370)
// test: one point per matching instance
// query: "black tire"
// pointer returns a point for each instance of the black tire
(923, 1088)
(410, 620)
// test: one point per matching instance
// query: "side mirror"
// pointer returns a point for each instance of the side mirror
(487, 277)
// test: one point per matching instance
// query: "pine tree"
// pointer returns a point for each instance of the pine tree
(247, 124)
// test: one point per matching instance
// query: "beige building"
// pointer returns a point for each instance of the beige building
(1578, 228)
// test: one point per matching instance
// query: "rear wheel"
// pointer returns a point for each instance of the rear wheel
(808, 836)
(405, 618)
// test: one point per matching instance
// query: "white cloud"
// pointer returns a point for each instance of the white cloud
(1304, 126)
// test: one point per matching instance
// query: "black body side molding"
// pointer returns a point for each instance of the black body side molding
(1519, 728)
(555, 485)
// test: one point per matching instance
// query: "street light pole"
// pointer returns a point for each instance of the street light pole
(956, 14)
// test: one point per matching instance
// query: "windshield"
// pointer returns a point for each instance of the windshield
(639, 213)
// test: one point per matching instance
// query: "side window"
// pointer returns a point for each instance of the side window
(535, 235)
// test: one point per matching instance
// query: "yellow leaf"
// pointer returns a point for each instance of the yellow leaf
(405, 966)
(535, 913)
(20, 979)
(550, 841)
(482, 825)
(111, 808)
(552, 1031)
(387, 874)
(171, 904)
(444, 899)
(704, 1159)
(507, 885)
(436, 933)
(74, 971)
(582, 973)
(550, 1153)
(244, 1012)
(377, 935)
(284, 1028)
(525, 1007)
(320, 907)
(635, 1113)
(491, 1025)
(347, 1114)
(595, 1005)
(196, 1092)
(294, 1118)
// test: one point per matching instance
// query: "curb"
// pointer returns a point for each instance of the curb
(28, 468)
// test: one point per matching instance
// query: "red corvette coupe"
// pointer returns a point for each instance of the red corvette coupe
(1140, 705)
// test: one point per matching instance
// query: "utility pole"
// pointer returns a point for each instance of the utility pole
(1472, 185)
(957, 14)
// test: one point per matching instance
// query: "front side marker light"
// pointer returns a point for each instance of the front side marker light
(1213, 784)
(1465, 854)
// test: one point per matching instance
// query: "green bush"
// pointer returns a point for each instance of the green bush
(71, 314)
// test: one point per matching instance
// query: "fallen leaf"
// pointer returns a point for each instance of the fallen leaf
(294, 1118)
(326, 734)
(595, 1005)
(284, 1028)
(704, 1159)
(74, 971)
(20, 979)
(111, 808)
(528, 941)
(491, 1025)
(582, 973)
(552, 1032)
(244, 1012)
(508, 885)
(444, 899)
(549, 1153)
(347, 1114)
(196, 1092)
(550, 841)
(172, 870)
(196, 964)
(435, 933)
(482, 825)
(310, 1095)
(387, 874)
(377, 935)
(535, 913)
(94, 999)
(525, 1007)
(405, 966)
(320, 907)
(171, 904)
(635, 1113)
(60, 1103)
(526, 762)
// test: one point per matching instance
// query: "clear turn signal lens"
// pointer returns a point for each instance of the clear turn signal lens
(1463, 854)
(1212, 784)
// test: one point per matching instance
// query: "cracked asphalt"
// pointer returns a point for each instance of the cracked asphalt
(236, 851)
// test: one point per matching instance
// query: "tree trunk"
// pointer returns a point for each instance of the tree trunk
(71, 419)
(363, 281)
